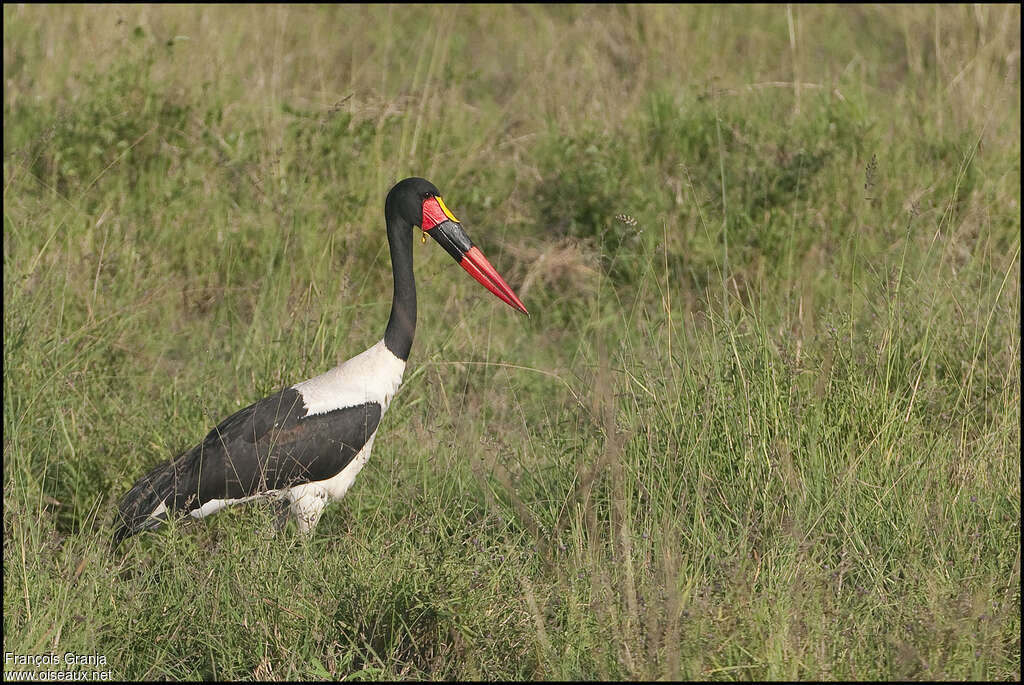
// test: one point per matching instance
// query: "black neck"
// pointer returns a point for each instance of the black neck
(402, 324)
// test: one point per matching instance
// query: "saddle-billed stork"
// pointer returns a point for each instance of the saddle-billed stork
(308, 442)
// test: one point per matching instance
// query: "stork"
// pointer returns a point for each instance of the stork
(307, 443)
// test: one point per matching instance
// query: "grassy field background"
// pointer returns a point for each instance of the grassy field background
(764, 421)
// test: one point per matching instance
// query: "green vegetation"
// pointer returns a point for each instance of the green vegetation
(764, 421)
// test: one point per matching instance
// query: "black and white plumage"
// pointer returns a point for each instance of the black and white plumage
(308, 442)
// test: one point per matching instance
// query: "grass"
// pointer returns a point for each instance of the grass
(763, 423)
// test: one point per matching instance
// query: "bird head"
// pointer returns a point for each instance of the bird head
(419, 202)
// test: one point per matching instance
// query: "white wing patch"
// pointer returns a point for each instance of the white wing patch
(371, 376)
(215, 505)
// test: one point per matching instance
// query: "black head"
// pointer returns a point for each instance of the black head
(417, 202)
(405, 200)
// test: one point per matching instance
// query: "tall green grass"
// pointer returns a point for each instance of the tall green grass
(764, 421)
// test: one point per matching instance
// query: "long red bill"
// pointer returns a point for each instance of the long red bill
(474, 262)
(439, 223)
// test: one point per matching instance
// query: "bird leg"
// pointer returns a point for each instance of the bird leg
(308, 508)
(281, 506)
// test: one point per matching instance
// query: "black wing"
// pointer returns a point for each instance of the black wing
(268, 445)
(272, 444)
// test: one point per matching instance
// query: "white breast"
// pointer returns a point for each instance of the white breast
(371, 376)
